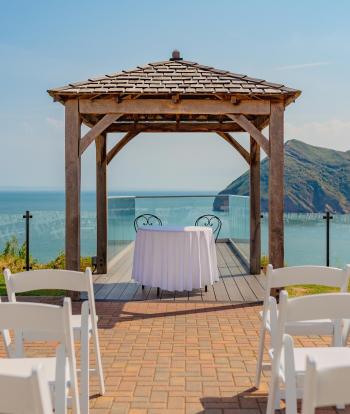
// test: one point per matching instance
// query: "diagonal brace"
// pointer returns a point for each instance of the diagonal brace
(229, 138)
(97, 130)
(249, 127)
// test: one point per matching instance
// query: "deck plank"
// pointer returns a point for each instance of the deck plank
(231, 286)
(181, 296)
(167, 295)
(141, 294)
(234, 284)
(130, 291)
(195, 295)
(209, 296)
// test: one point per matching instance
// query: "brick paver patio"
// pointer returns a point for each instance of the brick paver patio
(179, 358)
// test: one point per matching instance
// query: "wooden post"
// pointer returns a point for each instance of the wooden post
(255, 232)
(276, 186)
(72, 140)
(101, 202)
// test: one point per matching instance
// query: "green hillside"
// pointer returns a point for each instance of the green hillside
(315, 179)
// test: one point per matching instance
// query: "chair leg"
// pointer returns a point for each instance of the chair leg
(158, 291)
(60, 390)
(99, 368)
(273, 401)
(84, 365)
(206, 288)
(260, 356)
(291, 398)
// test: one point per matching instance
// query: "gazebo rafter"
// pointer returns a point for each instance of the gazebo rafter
(174, 96)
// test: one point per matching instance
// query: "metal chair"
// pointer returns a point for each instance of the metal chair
(147, 220)
(209, 220)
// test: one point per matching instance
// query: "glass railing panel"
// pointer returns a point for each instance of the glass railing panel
(339, 239)
(264, 236)
(121, 215)
(238, 223)
(47, 234)
(176, 211)
(304, 239)
(182, 211)
(47, 225)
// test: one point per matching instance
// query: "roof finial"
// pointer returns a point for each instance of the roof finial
(175, 55)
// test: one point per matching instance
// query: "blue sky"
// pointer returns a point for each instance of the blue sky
(44, 44)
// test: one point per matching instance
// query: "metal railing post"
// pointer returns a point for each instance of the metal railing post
(27, 216)
(327, 217)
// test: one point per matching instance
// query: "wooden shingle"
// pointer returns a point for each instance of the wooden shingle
(178, 76)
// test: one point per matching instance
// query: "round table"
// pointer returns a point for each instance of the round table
(175, 258)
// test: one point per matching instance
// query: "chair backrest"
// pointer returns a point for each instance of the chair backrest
(147, 220)
(333, 306)
(325, 386)
(37, 317)
(52, 320)
(46, 279)
(308, 275)
(210, 220)
(51, 279)
(24, 393)
(313, 307)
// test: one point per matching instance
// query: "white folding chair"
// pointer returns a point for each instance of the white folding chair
(55, 321)
(288, 364)
(29, 383)
(298, 275)
(324, 387)
(84, 325)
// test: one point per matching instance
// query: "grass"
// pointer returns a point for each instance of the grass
(13, 258)
(302, 290)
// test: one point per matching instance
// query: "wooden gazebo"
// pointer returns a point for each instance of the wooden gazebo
(174, 96)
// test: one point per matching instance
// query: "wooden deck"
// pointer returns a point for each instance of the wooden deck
(235, 284)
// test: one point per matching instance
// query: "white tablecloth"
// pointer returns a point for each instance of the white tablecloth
(175, 258)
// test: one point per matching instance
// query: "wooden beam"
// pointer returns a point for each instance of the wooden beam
(252, 130)
(101, 202)
(119, 145)
(96, 130)
(229, 138)
(175, 127)
(276, 186)
(72, 188)
(255, 219)
(167, 106)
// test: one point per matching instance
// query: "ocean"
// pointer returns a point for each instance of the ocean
(305, 234)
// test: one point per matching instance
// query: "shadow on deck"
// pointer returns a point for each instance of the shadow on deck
(235, 285)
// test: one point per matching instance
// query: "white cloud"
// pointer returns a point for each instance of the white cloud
(332, 133)
(55, 123)
(303, 65)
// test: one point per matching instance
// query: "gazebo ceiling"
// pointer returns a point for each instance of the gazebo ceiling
(176, 76)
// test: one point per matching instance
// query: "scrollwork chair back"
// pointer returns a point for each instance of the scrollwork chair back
(147, 220)
(210, 220)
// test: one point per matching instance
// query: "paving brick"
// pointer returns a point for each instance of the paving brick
(178, 358)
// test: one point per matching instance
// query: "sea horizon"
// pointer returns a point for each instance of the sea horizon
(304, 233)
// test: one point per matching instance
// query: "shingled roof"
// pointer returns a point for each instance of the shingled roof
(175, 76)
